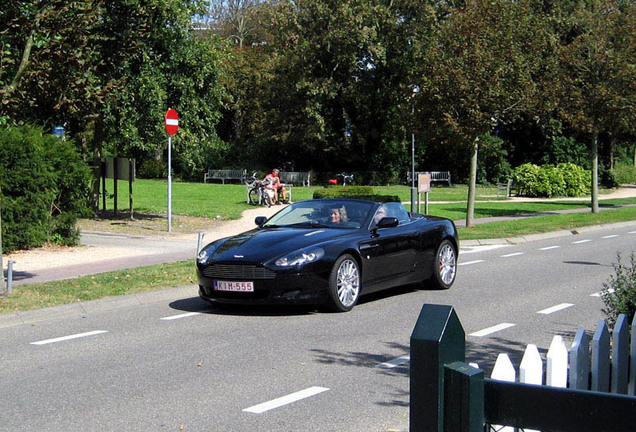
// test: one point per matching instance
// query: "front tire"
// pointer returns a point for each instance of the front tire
(344, 284)
(445, 265)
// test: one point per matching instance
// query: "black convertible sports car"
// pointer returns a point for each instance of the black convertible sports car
(329, 251)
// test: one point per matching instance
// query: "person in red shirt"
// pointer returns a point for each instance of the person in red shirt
(275, 184)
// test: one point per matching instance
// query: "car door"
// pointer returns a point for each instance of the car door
(390, 253)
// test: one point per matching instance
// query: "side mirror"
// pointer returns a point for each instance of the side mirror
(260, 220)
(385, 222)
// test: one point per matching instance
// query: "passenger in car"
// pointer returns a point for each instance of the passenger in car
(338, 215)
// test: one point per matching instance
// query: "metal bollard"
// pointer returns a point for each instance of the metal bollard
(199, 242)
(10, 277)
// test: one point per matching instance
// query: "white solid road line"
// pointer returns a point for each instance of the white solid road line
(556, 308)
(185, 315)
(66, 338)
(285, 400)
(491, 330)
(395, 362)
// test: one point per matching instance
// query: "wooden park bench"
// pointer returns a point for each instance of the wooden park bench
(223, 175)
(436, 176)
(295, 178)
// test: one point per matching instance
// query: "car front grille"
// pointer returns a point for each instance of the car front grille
(238, 272)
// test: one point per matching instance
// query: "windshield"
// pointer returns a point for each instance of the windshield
(323, 214)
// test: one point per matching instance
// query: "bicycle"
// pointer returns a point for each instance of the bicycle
(257, 194)
(345, 178)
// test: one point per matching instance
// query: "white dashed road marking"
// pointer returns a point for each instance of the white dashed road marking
(185, 315)
(556, 308)
(610, 236)
(512, 254)
(395, 362)
(598, 294)
(470, 262)
(491, 330)
(549, 248)
(582, 241)
(285, 400)
(66, 338)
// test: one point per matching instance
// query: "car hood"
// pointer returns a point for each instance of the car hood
(260, 245)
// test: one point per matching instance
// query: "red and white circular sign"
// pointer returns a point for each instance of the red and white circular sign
(172, 122)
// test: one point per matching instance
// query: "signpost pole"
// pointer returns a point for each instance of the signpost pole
(169, 183)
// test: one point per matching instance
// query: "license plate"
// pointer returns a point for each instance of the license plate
(233, 286)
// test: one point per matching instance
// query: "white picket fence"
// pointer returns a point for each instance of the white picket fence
(580, 367)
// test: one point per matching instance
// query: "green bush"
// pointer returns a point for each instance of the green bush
(619, 293)
(624, 174)
(44, 186)
(577, 180)
(153, 169)
(564, 180)
(358, 192)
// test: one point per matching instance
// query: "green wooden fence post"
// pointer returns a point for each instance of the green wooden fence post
(438, 339)
(463, 398)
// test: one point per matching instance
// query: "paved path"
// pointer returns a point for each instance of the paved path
(102, 252)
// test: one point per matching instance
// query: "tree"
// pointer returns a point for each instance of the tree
(597, 76)
(109, 69)
(337, 95)
(479, 70)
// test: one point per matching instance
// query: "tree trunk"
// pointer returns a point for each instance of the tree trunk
(595, 173)
(472, 184)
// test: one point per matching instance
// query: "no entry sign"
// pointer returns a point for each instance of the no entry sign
(172, 122)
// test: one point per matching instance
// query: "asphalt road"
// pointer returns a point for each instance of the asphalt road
(181, 364)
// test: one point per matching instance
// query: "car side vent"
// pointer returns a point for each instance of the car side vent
(238, 272)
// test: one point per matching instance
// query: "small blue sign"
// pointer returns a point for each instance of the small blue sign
(58, 131)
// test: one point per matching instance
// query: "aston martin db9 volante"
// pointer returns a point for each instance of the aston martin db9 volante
(329, 251)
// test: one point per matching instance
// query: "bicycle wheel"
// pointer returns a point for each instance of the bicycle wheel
(253, 196)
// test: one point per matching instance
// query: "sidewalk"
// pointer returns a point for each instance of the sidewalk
(107, 251)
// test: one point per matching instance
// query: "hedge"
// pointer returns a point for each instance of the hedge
(354, 192)
(44, 185)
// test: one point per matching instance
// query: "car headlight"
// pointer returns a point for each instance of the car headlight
(206, 253)
(301, 257)
(203, 256)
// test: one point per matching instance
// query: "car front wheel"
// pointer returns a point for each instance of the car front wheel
(344, 284)
(445, 265)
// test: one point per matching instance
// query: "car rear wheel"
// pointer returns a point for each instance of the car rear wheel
(445, 265)
(344, 284)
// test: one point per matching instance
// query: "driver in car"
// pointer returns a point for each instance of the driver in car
(338, 215)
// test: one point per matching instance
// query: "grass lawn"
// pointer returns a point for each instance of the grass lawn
(229, 200)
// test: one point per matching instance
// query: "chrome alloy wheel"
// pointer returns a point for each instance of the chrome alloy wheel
(348, 283)
(447, 263)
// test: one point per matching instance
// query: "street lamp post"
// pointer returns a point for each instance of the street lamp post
(415, 90)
